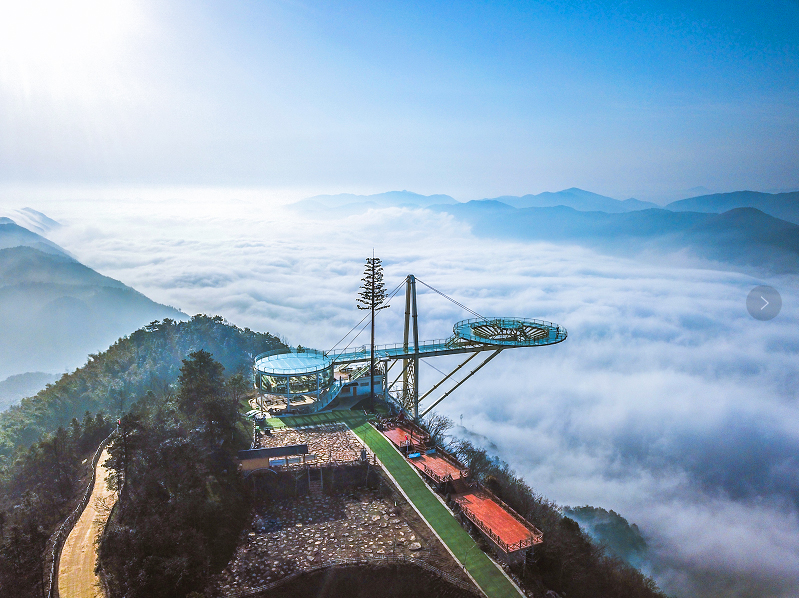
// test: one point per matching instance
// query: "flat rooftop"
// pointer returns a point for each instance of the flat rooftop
(292, 363)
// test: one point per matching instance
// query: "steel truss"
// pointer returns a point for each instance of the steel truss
(469, 336)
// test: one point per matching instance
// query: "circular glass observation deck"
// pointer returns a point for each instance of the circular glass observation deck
(509, 332)
(293, 373)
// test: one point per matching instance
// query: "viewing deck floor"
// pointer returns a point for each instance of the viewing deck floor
(508, 529)
(437, 467)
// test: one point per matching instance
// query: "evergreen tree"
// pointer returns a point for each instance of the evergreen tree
(203, 398)
(372, 296)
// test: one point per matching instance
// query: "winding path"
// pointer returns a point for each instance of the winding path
(76, 576)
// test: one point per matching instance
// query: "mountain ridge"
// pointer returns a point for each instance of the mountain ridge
(745, 237)
(578, 199)
(784, 206)
(54, 310)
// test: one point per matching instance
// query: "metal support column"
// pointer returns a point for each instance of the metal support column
(415, 317)
(410, 370)
(400, 375)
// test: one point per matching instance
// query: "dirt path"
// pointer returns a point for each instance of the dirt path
(76, 577)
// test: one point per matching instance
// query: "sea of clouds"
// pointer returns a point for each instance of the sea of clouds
(668, 403)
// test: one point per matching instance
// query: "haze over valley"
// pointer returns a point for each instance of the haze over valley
(668, 403)
(182, 176)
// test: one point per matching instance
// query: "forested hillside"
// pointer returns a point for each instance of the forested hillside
(46, 440)
(148, 359)
(182, 502)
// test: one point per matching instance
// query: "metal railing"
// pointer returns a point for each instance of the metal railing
(554, 332)
(390, 349)
(293, 351)
(329, 395)
(523, 543)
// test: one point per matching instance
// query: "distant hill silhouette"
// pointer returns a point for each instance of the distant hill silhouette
(780, 205)
(577, 199)
(54, 311)
(613, 531)
(744, 236)
(14, 388)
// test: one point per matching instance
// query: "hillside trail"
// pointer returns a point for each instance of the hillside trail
(76, 576)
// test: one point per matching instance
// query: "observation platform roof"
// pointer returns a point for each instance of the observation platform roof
(294, 364)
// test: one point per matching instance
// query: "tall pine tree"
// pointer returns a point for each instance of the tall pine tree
(372, 296)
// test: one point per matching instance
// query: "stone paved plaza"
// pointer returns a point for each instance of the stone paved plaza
(330, 443)
(300, 534)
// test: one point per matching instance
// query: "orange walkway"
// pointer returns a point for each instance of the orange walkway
(397, 436)
(510, 532)
(490, 516)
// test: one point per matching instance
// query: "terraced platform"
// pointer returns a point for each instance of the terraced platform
(486, 574)
(504, 529)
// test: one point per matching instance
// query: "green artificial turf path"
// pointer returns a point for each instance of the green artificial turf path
(490, 579)
(487, 575)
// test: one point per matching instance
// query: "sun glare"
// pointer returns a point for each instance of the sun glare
(54, 43)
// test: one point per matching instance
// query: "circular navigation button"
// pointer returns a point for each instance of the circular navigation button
(763, 303)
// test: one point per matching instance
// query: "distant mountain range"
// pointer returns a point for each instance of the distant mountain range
(745, 237)
(780, 205)
(54, 311)
(746, 228)
(575, 198)
(784, 206)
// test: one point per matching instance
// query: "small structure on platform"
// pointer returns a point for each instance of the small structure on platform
(320, 457)
(264, 458)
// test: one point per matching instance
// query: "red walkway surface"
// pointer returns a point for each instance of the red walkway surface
(510, 532)
(437, 467)
(397, 435)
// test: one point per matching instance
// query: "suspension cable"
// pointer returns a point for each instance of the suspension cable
(461, 305)
(346, 335)
(391, 296)
(432, 366)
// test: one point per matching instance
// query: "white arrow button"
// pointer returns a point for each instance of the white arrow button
(764, 299)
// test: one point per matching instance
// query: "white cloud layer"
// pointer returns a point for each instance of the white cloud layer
(668, 403)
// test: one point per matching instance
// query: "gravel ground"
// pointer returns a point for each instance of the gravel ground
(300, 534)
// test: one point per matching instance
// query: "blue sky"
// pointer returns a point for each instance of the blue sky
(470, 99)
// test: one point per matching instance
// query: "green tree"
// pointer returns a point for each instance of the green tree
(202, 397)
(237, 385)
(372, 297)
